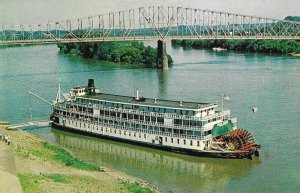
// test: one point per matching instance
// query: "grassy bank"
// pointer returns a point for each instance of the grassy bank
(45, 167)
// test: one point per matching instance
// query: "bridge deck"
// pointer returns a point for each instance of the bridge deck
(152, 23)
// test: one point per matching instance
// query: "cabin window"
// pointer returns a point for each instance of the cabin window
(166, 139)
(178, 121)
(136, 117)
(171, 140)
(120, 132)
(189, 132)
(170, 111)
(153, 119)
(118, 114)
(199, 123)
(184, 141)
(129, 134)
(193, 123)
(178, 141)
(124, 132)
(142, 118)
(160, 119)
(139, 135)
(147, 118)
(112, 113)
(145, 136)
(198, 143)
(185, 122)
(130, 116)
(190, 113)
(191, 143)
(150, 128)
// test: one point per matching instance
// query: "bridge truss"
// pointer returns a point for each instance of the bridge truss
(152, 23)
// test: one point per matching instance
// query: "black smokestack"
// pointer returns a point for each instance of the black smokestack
(91, 83)
(91, 87)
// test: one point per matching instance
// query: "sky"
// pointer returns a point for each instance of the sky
(16, 12)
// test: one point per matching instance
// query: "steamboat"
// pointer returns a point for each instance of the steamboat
(193, 128)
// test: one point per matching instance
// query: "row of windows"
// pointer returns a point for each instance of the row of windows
(137, 107)
(147, 118)
(150, 128)
(184, 141)
(139, 135)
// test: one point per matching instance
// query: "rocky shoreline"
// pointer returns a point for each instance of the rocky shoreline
(38, 171)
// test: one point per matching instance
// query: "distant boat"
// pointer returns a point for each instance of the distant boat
(294, 54)
(254, 109)
(226, 97)
(219, 49)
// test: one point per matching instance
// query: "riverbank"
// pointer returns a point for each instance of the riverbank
(248, 45)
(38, 168)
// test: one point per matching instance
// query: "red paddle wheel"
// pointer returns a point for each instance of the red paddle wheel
(240, 141)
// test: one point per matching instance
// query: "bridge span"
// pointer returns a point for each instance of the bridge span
(152, 23)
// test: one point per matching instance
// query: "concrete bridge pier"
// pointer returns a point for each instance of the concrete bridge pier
(162, 57)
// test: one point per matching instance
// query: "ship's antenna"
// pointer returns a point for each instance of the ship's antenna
(58, 96)
(222, 103)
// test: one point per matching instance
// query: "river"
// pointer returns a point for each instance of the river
(270, 82)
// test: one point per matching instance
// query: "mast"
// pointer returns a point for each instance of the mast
(58, 94)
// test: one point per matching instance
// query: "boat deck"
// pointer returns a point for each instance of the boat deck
(149, 101)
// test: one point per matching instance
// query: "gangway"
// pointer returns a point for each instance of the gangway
(43, 123)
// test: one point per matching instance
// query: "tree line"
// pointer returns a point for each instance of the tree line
(262, 46)
(128, 53)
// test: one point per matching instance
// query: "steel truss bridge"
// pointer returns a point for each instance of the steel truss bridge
(152, 23)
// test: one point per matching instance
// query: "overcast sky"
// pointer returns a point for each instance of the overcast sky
(41, 11)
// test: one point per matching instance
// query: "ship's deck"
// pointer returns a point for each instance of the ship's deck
(149, 101)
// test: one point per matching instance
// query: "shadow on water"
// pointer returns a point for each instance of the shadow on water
(170, 172)
(162, 76)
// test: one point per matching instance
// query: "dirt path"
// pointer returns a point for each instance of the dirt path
(9, 182)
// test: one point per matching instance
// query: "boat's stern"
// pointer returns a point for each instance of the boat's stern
(238, 142)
